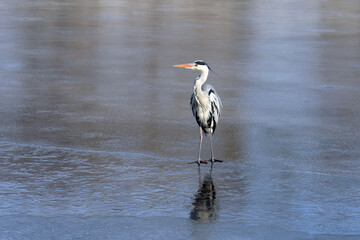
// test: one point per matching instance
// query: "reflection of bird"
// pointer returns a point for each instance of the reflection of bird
(205, 104)
(204, 205)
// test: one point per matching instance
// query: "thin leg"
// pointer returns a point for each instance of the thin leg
(201, 138)
(212, 151)
(199, 160)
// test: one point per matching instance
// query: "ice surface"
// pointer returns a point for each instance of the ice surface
(96, 130)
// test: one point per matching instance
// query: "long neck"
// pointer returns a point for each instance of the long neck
(201, 80)
(200, 95)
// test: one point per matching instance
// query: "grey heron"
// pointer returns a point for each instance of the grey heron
(205, 104)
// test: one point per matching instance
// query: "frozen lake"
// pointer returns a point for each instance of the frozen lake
(96, 129)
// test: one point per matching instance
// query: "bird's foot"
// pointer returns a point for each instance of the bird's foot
(214, 160)
(198, 162)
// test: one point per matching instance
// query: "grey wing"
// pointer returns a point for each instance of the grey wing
(195, 108)
(216, 105)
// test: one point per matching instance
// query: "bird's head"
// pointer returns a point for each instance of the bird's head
(197, 65)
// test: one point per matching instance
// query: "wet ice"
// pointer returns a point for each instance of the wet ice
(96, 130)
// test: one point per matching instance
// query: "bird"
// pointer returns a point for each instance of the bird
(205, 104)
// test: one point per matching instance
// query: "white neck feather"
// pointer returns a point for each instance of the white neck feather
(201, 96)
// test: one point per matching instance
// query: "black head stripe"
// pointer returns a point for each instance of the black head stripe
(200, 62)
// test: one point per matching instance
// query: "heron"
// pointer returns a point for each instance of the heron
(205, 105)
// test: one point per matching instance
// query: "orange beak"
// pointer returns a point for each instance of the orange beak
(187, 65)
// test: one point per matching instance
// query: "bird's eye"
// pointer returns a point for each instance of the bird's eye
(196, 65)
